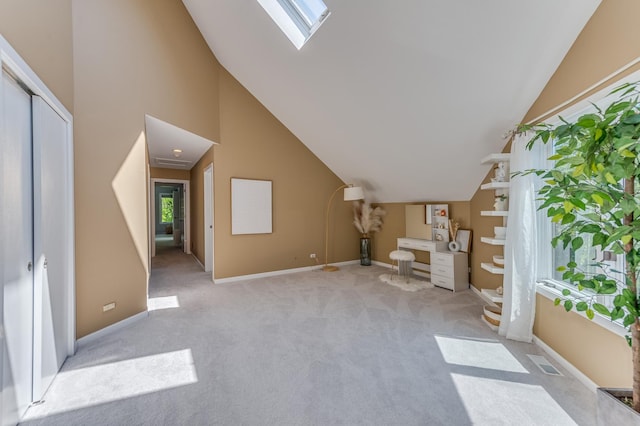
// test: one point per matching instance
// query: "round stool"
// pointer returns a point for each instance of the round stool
(404, 259)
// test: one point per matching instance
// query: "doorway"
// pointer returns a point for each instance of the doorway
(170, 224)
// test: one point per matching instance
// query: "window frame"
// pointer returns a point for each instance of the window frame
(293, 21)
(547, 285)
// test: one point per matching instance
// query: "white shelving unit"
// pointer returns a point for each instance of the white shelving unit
(493, 241)
(492, 295)
(494, 213)
(491, 326)
(438, 218)
(490, 267)
(496, 158)
(501, 188)
(495, 185)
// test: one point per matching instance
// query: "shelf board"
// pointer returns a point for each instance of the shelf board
(494, 213)
(492, 268)
(491, 326)
(495, 158)
(495, 185)
(492, 295)
(492, 241)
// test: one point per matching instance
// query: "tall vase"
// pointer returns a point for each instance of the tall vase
(365, 251)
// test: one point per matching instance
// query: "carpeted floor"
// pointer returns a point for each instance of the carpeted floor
(311, 348)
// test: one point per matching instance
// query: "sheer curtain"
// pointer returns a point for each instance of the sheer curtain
(521, 251)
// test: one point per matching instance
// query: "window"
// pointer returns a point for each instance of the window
(166, 208)
(298, 19)
(588, 259)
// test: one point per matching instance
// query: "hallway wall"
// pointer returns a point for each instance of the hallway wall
(131, 58)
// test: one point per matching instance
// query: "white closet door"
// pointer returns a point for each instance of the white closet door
(52, 234)
(17, 249)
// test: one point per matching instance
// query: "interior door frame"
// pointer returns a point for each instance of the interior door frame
(209, 200)
(14, 64)
(187, 213)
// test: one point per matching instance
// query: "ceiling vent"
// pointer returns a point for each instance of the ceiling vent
(172, 162)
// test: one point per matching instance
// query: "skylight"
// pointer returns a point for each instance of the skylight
(298, 19)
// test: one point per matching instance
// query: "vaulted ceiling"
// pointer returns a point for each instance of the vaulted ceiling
(404, 98)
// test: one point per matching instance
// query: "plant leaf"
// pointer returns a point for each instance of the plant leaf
(601, 309)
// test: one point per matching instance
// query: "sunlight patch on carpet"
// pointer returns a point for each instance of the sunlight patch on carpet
(100, 384)
(470, 352)
(520, 403)
(165, 302)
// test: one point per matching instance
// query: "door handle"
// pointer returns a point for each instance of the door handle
(46, 262)
(29, 266)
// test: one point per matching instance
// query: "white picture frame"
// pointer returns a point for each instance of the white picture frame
(251, 206)
(464, 238)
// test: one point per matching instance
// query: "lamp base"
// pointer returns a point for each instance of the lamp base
(330, 268)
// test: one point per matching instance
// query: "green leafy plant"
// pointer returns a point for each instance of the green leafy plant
(592, 190)
(166, 209)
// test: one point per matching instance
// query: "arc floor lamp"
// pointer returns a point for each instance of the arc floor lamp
(351, 193)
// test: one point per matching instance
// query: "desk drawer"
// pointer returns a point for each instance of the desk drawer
(417, 245)
(445, 282)
(426, 246)
(442, 259)
(445, 271)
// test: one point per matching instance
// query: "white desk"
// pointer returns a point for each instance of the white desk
(448, 269)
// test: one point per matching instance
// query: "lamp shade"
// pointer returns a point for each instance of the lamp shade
(353, 193)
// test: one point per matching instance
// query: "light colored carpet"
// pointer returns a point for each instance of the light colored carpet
(311, 348)
(411, 284)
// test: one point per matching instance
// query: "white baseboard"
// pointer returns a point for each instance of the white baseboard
(481, 295)
(384, 265)
(566, 364)
(197, 261)
(280, 272)
(96, 335)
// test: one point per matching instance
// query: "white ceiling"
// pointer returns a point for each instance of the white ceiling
(404, 98)
(163, 138)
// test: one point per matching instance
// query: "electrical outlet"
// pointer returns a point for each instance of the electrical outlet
(312, 256)
(109, 306)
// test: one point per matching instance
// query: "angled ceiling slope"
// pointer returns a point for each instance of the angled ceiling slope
(404, 98)
(164, 139)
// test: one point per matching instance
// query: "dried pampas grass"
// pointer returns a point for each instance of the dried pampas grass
(366, 218)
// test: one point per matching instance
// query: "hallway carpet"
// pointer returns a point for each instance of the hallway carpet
(309, 348)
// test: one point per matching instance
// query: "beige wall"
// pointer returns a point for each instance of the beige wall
(602, 355)
(161, 173)
(602, 48)
(605, 45)
(131, 58)
(41, 33)
(255, 145)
